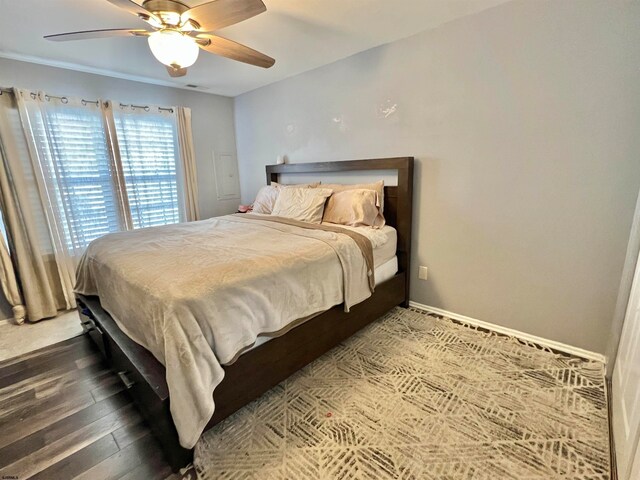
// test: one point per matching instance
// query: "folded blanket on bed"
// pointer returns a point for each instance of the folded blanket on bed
(195, 294)
(363, 243)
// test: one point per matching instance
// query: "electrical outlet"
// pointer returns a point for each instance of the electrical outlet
(422, 273)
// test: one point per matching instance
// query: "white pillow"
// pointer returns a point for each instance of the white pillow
(303, 204)
(266, 199)
(267, 195)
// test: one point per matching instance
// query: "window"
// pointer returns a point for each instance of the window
(77, 167)
(92, 192)
(148, 152)
(3, 230)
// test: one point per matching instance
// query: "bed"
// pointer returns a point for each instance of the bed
(271, 359)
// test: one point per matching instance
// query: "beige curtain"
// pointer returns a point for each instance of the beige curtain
(33, 111)
(26, 224)
(10, 284)
(188, 157)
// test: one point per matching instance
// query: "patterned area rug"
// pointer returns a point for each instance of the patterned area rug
(419, 396)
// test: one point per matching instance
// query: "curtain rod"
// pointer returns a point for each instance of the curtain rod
(146, 108)
(65, 100)
(84, 102)
(48, 97)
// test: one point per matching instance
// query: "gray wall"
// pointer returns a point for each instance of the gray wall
(212, 116)
(524, 120)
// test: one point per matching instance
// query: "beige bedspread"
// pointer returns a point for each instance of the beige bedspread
(195, 294)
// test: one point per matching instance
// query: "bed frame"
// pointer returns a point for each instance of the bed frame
(260, 369)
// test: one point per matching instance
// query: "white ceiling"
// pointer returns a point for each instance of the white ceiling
(299, 34)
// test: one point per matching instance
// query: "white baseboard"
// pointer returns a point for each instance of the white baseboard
(561, 347)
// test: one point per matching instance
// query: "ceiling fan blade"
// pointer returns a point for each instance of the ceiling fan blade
(222, 13)
(236, 51)
(132, 7)
(176, 72)
(89, 34)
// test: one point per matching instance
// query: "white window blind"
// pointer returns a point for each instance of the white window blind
(3, 230)
(148, 147)
(77, 166)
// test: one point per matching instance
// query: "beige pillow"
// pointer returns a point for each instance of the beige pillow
(378, 187)
(265, 199)
(352, 207)
(304, 204)
(267, 195)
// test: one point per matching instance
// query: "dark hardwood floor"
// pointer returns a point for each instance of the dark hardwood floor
(64, 415)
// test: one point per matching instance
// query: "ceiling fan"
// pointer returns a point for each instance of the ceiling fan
(179, 32)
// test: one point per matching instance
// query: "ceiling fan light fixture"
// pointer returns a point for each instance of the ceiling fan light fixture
(173, 48)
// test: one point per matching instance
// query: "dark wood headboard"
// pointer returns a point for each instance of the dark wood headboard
(398, 201)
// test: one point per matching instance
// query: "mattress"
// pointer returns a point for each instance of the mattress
(386, 271)
(383, 240)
